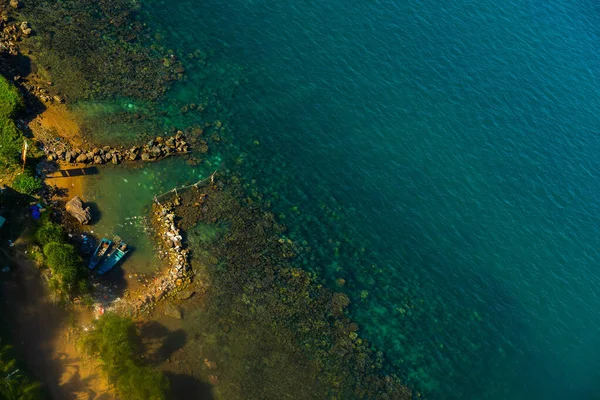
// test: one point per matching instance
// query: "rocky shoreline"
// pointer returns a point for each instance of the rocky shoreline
(153, 150)
(176, 270)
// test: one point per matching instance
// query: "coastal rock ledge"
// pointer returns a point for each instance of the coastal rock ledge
(154, 150)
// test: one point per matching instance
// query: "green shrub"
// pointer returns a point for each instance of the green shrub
(11, 142)
(26, 183)
(65, 264)
(49, 232)
(14, 384)
(11, 100)
(11, 139)
(114, 341)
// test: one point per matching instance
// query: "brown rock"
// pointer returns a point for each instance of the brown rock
(15, 3)
(146, 157)
(98, 160)
(210, 364)
(75, 208)
(213, 379)
(156, 151)
(82, 158)
(184, 294)
(25, 28)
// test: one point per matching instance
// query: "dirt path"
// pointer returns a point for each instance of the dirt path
(43, 333)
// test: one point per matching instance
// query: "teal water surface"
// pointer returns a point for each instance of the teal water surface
(441, 158)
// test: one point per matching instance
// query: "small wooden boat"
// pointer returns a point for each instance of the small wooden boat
(99, 253)
(113, 259)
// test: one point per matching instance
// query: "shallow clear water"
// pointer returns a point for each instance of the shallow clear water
(122, 199)
(441, 157)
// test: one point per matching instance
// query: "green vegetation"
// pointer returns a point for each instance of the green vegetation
(15, 385)
(26, 183)
(65, 264)
(10, 99)
(68, 274)
(11, 139)
(49, 233)
(115, 342)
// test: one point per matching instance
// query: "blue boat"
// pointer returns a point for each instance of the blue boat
(100, 252)
(113, 259)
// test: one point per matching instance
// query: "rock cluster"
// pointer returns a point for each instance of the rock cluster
(151, 151)
(11, 33)
(177, 259)
(76, 209)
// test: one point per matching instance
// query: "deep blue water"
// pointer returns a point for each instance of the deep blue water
(450, 151)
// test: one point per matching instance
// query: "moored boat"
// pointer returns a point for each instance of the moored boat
(113, 259)
(99, 253)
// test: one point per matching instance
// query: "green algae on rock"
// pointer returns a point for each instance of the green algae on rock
(90, 58)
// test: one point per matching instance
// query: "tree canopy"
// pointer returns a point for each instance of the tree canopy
(114, 341)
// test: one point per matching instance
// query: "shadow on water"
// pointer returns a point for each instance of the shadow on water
(95, 211)
(187, 387)
(160, 341)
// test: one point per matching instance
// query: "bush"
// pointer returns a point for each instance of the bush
(27, 183)
(11, 100)
(11, 139)
(65, 264)
(11, 142)
(115, 341)
(49, 232)
(15, 385)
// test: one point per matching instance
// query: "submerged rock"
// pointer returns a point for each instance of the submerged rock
(173, 311)
(75, 208)
(184, 294)
(213, 379)
(210, 364)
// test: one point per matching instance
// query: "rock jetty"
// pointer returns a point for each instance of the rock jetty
(153, 150)
(172, 249)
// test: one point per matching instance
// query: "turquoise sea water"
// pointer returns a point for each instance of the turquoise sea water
(441, 157)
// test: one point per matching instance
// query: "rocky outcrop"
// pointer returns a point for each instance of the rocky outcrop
(75, 208)
(153, 150)
(176, 257)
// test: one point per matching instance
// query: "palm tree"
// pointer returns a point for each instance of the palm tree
(14, 385)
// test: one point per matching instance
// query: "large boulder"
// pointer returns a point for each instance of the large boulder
(75, 208)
